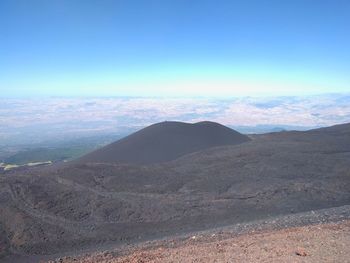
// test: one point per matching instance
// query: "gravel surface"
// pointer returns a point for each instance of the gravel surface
(315, 236)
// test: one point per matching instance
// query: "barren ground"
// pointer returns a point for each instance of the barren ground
(318, 243)
(70, 209)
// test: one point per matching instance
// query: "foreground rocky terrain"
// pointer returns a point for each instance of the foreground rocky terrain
(326, 242)
(321, 243)
(64, 208)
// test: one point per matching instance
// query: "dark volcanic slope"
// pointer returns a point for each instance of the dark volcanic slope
(165, 141)
(44, 211)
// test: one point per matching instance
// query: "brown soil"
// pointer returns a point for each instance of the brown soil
(318, 243)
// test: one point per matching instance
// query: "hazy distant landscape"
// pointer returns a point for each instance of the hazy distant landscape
(46, 130)
(38, 120)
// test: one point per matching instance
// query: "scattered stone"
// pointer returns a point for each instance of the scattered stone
(301, 252)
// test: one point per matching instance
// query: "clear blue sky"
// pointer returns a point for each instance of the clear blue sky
(174, 48)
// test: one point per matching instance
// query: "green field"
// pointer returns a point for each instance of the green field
(45, 155)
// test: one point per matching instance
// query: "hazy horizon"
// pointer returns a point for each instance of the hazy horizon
(87, 67)
(37, 120)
